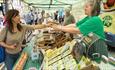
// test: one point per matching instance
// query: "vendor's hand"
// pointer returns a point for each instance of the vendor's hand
(50, 23)
(56, 27)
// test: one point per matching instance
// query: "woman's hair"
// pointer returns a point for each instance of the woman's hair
(95, 7)
(8, 19)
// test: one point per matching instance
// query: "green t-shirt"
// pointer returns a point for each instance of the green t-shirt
(91, 24)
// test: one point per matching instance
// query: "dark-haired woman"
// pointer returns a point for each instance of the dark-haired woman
(14, 33)
(91, 23)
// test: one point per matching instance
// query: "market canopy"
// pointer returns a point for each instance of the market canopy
(51, 3)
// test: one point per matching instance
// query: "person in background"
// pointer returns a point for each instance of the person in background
(36, 18)
(1, 21)
(61, 15)
(15, 35)
(56, 16)
(41, 17)
(91, 23)
(29, 18)
(31, 13)
(69, 18)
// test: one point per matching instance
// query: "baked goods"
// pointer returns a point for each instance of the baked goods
(21, 62)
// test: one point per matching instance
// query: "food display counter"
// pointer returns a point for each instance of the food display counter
(37, 57)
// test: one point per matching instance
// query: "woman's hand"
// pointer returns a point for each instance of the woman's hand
(54, 25)
(50, 24)
(12, 46)
(8, 46)
(57, 27)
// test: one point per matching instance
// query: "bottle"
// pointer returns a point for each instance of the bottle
(34, 54)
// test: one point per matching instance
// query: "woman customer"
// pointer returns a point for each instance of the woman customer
(91, 23)
(15, 34)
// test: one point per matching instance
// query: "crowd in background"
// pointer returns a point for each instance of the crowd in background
(61, 16)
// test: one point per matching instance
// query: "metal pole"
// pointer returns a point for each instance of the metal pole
(5, 5)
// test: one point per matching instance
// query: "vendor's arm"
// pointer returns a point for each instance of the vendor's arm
(71, 25)
(66, 29)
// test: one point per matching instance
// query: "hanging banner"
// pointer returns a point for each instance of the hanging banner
(108, 19)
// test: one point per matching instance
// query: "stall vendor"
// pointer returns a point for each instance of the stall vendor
(91, 23)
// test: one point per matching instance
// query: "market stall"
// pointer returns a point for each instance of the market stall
(57, 50)
(40, 55)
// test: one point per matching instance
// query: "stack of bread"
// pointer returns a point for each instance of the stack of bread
(21, 62)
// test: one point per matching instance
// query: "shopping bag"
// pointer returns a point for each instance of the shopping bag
(2, 50)
(2, 54)
(110, 39)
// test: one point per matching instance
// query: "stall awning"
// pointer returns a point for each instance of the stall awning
(51, 3)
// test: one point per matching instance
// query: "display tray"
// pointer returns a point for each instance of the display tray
(63, 61)
(57, 58)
